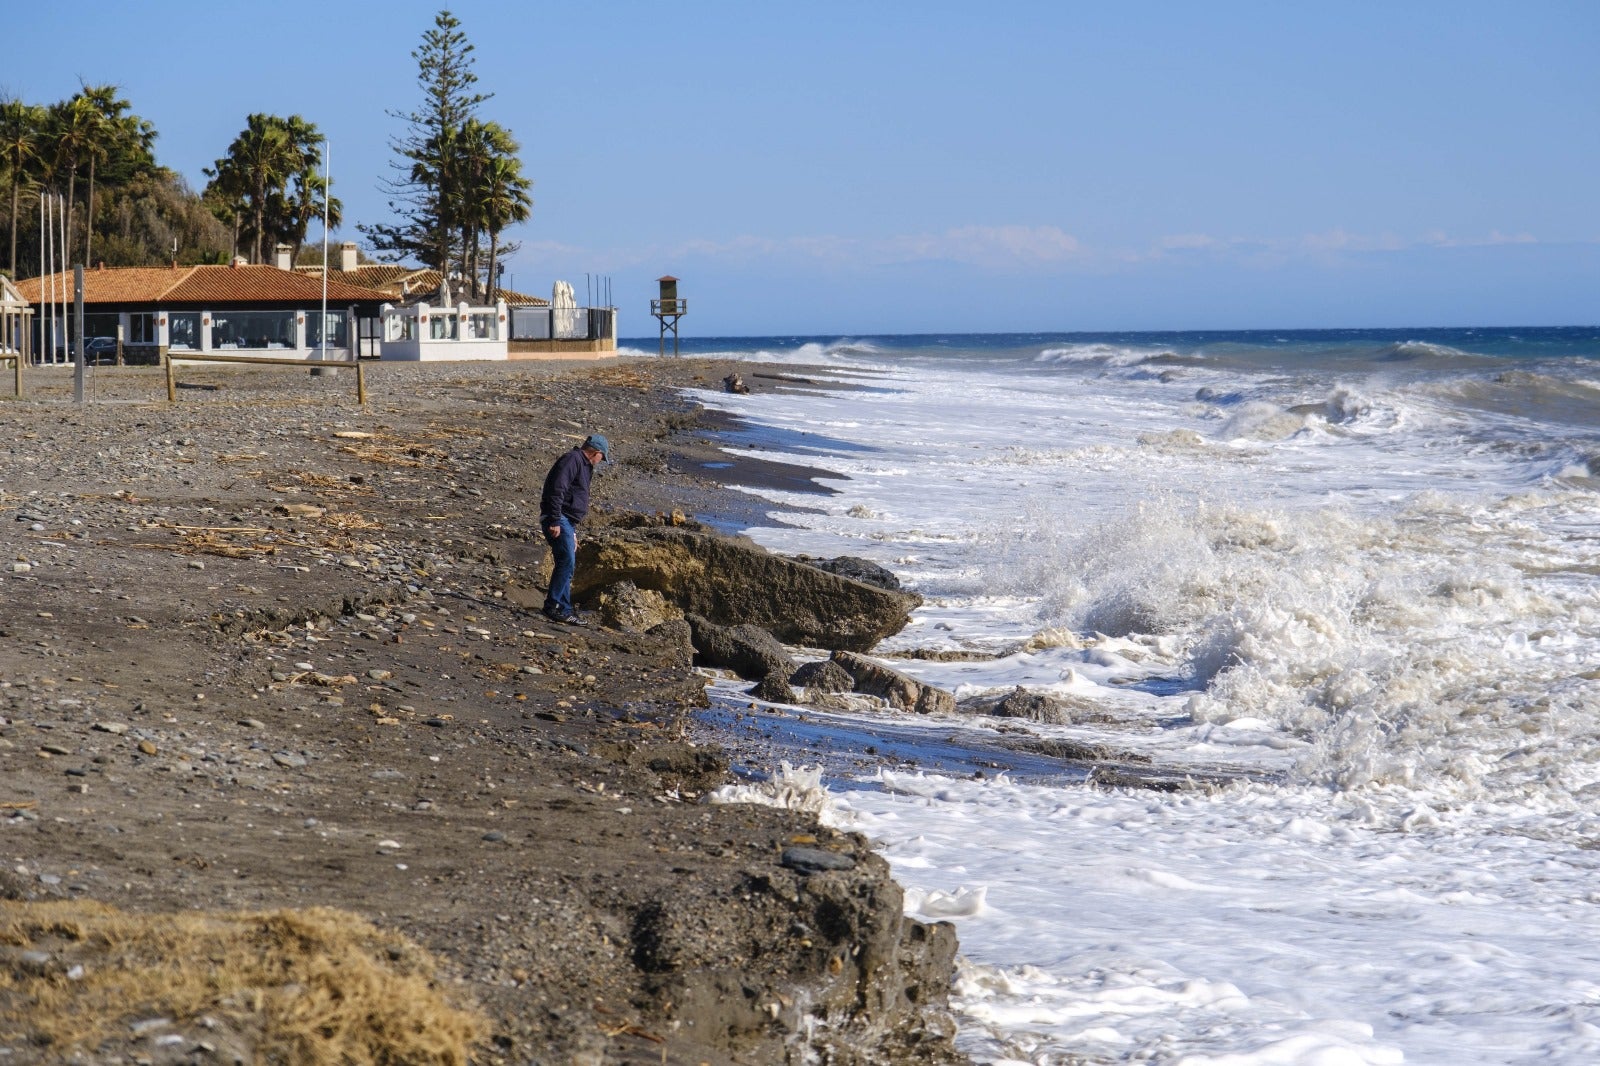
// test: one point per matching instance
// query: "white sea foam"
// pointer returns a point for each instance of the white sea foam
(1103, 354)
(1380, 601)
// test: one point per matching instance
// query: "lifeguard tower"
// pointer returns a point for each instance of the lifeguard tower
(667, 309)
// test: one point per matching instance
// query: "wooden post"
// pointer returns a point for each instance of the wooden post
(361, 383)
(172, 382)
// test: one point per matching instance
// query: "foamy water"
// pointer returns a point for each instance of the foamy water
(1364, 574)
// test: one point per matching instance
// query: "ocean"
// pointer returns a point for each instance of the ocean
(1349, 580)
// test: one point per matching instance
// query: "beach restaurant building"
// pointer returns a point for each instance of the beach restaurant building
(152, 312)
(149, 314)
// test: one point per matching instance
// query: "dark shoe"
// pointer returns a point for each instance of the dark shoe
(566, 618)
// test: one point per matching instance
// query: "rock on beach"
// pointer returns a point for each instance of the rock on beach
(733, 582)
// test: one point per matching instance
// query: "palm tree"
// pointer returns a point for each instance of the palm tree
(74, 127)
(224, 194)
(475, 149)
(107, 128)
(309, 190)
(21, 132)
(503, 200)
(258, 163)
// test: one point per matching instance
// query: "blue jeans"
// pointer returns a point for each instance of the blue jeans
(565, 550)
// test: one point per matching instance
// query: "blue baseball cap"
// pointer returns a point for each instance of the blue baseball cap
(599, 444)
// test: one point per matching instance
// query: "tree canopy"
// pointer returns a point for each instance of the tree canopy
(94, 153)
(457, 180)
(267, 187)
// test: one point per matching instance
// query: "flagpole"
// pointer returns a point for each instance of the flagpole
(327, 191)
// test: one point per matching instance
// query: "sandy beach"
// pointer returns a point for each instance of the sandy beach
(268, 651)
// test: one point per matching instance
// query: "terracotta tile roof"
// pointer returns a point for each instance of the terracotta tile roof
(106, 286)
(416, 282)
(198, 284)
(371, 275)
(522, 299)
(216, 284)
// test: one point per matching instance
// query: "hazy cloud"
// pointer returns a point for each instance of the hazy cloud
(1321, 244)
(987, 246)
(1012, 247)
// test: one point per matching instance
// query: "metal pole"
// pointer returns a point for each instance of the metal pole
(47, 266)
(327, 191)
(77, 327)
(66, 257)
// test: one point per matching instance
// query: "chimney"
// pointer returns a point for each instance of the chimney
(349, 259)
(285, 257)
(239, 261)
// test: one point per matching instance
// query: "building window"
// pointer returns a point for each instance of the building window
(338, 337)
(100, 325)
(442, 326)
(252, 329)
(480, 327)
(142, 328)
(183, 330)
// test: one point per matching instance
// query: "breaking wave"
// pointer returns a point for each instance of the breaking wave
(1110, 355)
(1398, 653)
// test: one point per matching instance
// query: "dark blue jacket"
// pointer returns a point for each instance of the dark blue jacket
(566, 489)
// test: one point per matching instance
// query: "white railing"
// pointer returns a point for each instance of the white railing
(425, 332)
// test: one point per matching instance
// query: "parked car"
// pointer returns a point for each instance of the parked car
(98, 351)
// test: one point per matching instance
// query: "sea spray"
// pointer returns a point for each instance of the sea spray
(1370, 601)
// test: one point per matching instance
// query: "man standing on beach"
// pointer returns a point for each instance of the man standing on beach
(562, 506)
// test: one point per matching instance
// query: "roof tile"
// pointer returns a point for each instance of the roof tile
(195, 284)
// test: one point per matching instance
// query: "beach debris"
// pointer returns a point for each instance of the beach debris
(318, 679)
(734, 383)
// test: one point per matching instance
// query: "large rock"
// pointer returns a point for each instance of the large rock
(749, 651)
(732, 581)
(900, 691)
(826, 676)
(857, 569)
(1020, 703)
(626, 606)
(864, 984)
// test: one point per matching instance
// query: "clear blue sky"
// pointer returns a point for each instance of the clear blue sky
(859, 167)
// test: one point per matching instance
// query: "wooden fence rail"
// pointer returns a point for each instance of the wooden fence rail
(206, 357)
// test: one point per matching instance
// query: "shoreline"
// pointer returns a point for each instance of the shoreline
(277, 662)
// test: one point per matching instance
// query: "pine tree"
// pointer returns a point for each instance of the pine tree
(425, 187)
